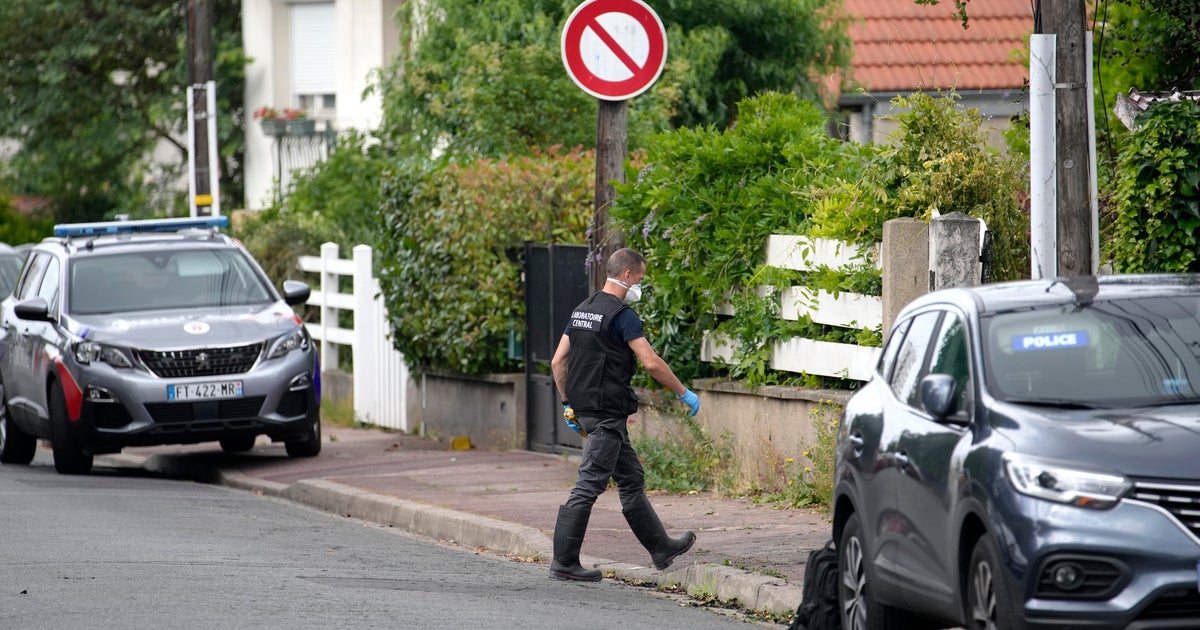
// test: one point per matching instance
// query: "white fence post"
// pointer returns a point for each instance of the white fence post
(365, 340)
(329, 286)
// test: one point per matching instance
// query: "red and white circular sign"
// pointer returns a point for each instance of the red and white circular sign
(614, 49)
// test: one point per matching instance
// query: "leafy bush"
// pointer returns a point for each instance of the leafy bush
(940, 162)
(334, 202)
(451, 250)
(701, 212)
(1157, 193)
(16, 228)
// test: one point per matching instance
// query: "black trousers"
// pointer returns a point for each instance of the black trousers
(607, 454)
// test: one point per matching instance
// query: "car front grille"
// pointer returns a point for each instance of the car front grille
(1181, 500)
(182, 412)
(200, 361)
(1176, 606)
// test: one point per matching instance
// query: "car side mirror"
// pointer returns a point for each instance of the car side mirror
(33, 309)
(939, 394)
(295, 292)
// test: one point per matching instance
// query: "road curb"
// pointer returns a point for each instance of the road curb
(752, 591)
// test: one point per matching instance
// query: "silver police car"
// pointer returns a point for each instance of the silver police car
(136, 333)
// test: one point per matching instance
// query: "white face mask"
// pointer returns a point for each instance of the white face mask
(633, 292)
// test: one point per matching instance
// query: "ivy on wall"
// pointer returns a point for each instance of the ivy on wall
(701, 211)
(1157, 193)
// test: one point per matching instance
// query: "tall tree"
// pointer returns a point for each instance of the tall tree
(483, 79)
(89, 87)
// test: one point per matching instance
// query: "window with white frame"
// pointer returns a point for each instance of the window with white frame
(314, 68)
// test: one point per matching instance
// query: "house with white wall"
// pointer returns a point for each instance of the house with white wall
(317, 56)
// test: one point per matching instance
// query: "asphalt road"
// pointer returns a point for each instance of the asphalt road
(119, 549)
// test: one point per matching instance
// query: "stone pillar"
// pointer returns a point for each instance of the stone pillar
(954, 251)
(905, 265)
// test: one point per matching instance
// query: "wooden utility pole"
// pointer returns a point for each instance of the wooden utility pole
(612, 135)
(200, 72)
(1067, 19)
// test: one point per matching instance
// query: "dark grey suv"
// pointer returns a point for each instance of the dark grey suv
(1027, 455)
(152, 332)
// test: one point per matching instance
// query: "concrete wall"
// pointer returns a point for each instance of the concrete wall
(764, 426)
(489, 409)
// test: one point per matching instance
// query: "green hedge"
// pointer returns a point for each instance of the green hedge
(1157, 193)
(451, 247)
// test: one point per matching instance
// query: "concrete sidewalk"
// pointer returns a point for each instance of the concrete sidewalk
(507, 502)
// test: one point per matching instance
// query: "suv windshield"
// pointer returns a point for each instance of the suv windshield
(163, 279)
(1106, 354)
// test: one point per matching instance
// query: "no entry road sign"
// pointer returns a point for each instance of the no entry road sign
(614, 49)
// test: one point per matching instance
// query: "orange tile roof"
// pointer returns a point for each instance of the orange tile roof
(900, 46)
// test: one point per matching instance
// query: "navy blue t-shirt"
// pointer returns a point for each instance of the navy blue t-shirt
(626, 327)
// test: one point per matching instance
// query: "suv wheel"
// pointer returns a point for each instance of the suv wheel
(239, 444)
(16, 446)
(989, 606)
(70, 458)
(860, 611)
(309, 445)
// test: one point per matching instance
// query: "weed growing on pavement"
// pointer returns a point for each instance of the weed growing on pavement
(685, 458)
(338, 412)
(808, 482)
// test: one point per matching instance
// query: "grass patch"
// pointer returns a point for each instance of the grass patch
(339, 413)
(685, 458)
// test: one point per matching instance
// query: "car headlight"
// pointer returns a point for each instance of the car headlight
(1061, 484)
(285, 344)
(88, 351)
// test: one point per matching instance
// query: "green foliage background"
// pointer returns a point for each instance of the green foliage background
(334, 202)
(486, 79)
(701, 211)
(1157, 193)
(451, 248)
(91, 86)
(702, 207)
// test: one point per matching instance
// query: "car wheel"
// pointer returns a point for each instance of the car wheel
(16, 446)
(239, 444)
(70, 458)
(307, 446)
(860, 611)
(989, 606)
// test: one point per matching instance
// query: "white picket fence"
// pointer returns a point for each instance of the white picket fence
(380, 373)
(849, 310)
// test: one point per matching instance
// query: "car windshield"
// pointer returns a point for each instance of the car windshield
(1107, 354)
(10, 270)
(163, 279)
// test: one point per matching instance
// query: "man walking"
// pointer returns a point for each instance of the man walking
(593, 367)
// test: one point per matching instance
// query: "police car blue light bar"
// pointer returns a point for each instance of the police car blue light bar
(146, 225)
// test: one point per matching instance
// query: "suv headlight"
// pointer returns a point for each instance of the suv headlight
(88, 351)
(1061, 484)
(285, 344)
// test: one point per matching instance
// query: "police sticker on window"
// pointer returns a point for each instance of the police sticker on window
(1050, 341)
(582, 320)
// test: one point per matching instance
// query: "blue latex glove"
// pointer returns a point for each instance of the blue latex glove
(690, 399)
(569, 418)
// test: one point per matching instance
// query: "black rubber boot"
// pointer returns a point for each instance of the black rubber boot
(568, 538)
(650, 532)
